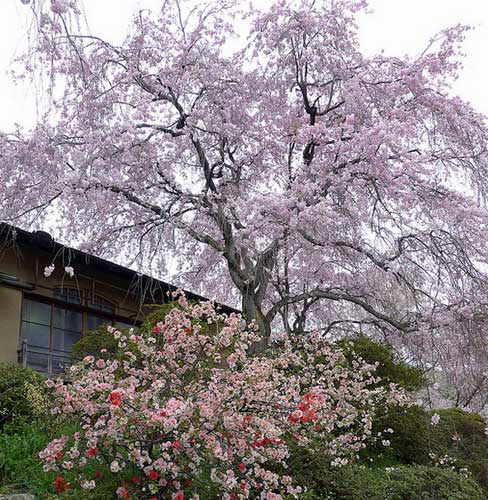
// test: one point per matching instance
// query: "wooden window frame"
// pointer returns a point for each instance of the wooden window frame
(111, 319)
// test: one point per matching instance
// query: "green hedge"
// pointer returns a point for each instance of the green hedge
(93, 343)
(20, 466)
(397, 483)
(459, 435)
(410, 442)
(21, 469)
(462, 436)
(390, 367)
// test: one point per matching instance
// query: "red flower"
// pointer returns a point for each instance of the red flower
(115, 398)
(135, 479)
(242, 467)
(123, 493)
(293, 418)
(188, 331)
(60, 484)
(179, 495)
(153, 475)
(176, 445)
(59, 455)
(156, 329)
(310, 396)
(97, 474)
(308, 416)
(91, 452)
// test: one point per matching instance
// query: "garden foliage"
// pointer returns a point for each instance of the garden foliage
(190, 413)
(22, 392)
(393, 483)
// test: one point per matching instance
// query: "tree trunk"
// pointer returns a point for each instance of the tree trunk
(251, 311)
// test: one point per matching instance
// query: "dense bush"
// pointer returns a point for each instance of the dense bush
(192, 411)
(394, 483)
(462, 437)
(410, 441)
(98, 343)
(389, 367)
(101, 344)
(457, 440)
(22, 393)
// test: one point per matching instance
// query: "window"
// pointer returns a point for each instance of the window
(71, 295)
(101, 304)
(49, 328)
(36, 331)
(93, 320)
(67, 328)
(49, 331)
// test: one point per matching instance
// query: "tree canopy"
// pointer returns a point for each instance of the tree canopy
(280, 166)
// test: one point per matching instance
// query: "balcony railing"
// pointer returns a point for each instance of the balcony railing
(43, 360)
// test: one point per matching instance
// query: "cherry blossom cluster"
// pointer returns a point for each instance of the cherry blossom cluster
(193, 400)
(287, 173)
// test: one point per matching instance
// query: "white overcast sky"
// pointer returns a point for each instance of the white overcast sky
(397, 26)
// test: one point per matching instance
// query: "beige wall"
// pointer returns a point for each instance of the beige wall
(10, 310)
(28, 265)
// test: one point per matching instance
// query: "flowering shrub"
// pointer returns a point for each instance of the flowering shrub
(186, 412)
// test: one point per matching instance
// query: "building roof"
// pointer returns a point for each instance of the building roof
(145, 286)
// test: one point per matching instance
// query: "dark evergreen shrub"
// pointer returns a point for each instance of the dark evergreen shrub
(395, 483)
(390, 368)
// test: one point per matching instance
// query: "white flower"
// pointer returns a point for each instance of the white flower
(385, 442)
(48, 270)
(88, 485)
(69, 271)
(115, 466)
(435, 419)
